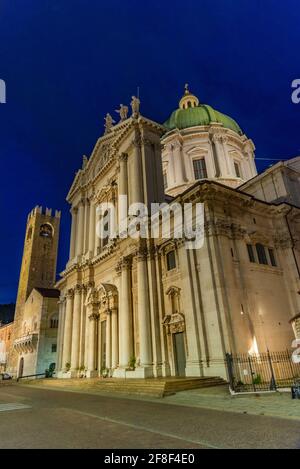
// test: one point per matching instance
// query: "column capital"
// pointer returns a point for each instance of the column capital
(61, 300)
(124, 264)
(146, 142)
(70, 293)
(78, 289)
(73, 210)
(142, 254)
(89, 284)
(123, 157)
(136, 142)
(177, 145)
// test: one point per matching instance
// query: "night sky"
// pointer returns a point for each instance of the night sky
(66, 63)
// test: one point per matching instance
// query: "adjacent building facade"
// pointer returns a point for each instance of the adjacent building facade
(5, 344)
(140, 307)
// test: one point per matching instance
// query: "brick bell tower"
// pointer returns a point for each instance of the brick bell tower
(38, 268)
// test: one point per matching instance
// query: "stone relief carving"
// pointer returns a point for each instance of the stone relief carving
(174, 323)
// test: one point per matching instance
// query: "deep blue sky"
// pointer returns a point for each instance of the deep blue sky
(67, 63)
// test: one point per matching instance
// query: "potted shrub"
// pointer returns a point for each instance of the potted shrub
(104, 372)
(132, 363)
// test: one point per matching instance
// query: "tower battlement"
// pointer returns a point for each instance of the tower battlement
(41, 211)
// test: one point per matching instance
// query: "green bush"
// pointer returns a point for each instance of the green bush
(132, 363)
(257, 380)
(67, 367)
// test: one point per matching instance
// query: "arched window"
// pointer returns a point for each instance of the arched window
(46, 230)
(261, 254)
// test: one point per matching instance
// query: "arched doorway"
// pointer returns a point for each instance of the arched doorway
(21, 367)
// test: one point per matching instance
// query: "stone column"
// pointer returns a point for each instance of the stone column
(144, 313)
(68, 329)
(161, 308)
(108, 340)
(73, 233)
(114, 339)
(61, 305)
(123, 191)
(76, 330)
(228, 158)
(220, 155)
(93, 319)
(82, 328)
(86, 226)
(178, 163)
(191, 312)
(137, 173)
(123, 176)
(80, 229)
(97, 235)
(154, 314)
(92, 227)
(125, 315)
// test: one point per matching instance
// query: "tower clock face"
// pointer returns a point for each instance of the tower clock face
(46, 231)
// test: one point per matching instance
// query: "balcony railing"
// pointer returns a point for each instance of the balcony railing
(26, 343)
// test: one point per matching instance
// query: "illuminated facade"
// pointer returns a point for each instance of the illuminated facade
(141, 308)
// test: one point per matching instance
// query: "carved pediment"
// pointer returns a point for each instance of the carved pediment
(92, 297)
(108, 296)
(174, 323)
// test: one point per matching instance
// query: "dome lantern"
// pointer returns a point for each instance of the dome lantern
(188, 100)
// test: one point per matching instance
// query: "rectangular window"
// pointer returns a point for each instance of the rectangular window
(237, 169)
(200, 169)
(250, 253)
(171, 260)
(272, 257)
(165, 181)
(261, 254)
(53, 348)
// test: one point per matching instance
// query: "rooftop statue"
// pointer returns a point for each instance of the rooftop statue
(135, 106)
(123, 112)
(108, 123)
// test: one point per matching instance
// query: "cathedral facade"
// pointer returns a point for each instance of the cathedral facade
(145, 306)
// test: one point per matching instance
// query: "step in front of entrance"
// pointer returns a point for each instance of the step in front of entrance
(157, 387)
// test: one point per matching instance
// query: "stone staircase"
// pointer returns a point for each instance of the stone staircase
(154, 387)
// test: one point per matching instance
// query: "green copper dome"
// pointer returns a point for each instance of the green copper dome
(200, 115)
(191, 114)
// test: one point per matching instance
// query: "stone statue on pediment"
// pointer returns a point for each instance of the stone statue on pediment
(108, 123)
(123, 112)
(84, 161)
(135, 106)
